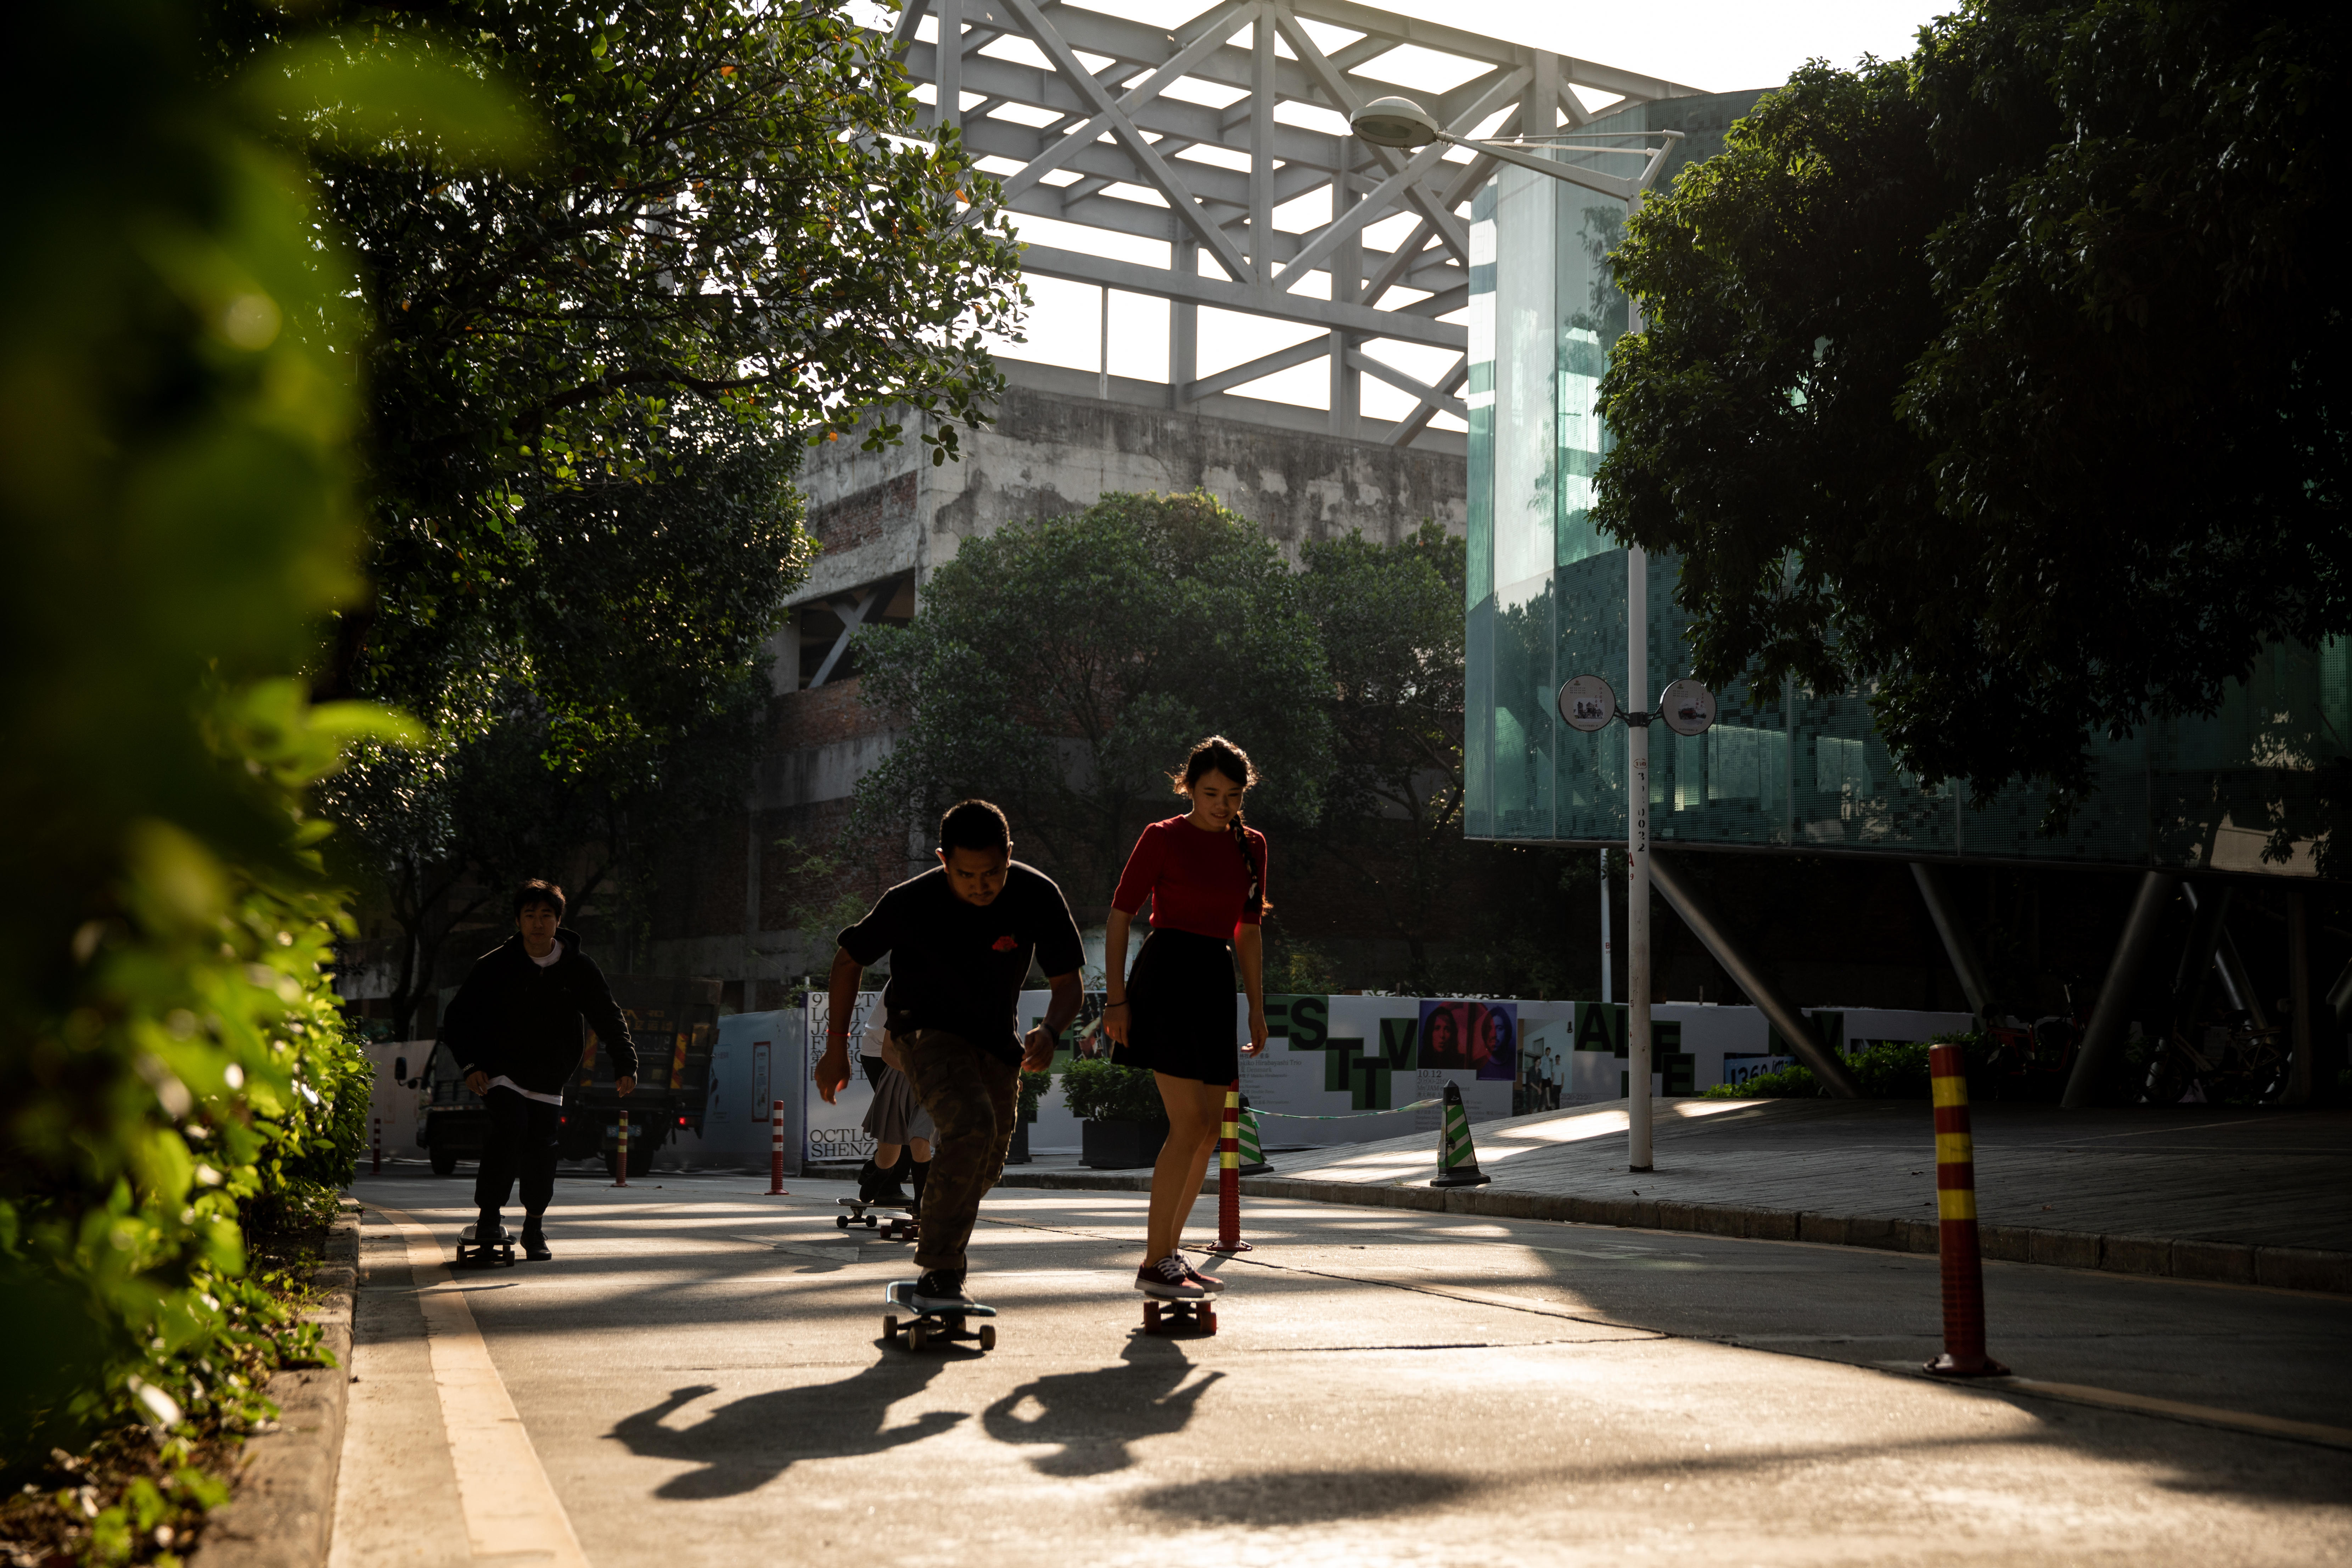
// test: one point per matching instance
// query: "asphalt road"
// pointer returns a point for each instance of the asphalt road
(698, 1377)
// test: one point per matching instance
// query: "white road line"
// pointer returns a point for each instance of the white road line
(2203, 1414)
(512, 1513)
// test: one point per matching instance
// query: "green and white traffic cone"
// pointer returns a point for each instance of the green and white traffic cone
(1457, 1161)
(1253, 1156)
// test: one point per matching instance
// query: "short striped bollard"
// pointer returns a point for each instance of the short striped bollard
(1956, 1210)
(1229, 1176)
(621, 1172)
(776, 1149)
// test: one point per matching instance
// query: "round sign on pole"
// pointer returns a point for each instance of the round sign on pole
(1687, 708)
(1587, 703)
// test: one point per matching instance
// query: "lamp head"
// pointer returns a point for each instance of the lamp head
(1394, 122)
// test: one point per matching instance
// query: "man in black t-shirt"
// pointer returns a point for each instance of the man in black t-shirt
(961, 937)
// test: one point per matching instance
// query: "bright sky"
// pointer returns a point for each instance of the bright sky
(1718, 46)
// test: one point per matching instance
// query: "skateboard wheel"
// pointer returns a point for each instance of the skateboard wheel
(841, 1222)
(1209, 1320)
(916, 1336)
(890, 1325)
(872, 1224)
(988, 1336)
(1152, 1317)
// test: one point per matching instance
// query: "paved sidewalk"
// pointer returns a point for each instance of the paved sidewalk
(2196, 1192)
(697, 1379)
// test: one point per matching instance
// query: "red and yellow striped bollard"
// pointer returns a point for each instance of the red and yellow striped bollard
(1956, 1210)
(1229, 1176)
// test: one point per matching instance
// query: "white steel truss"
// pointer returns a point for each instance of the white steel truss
(1120, 130)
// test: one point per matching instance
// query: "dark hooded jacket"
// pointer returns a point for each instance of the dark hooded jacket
(514, 1019)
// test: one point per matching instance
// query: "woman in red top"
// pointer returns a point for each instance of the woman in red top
(1205, 875)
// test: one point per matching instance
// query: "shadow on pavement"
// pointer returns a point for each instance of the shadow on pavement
(743, 1445)
(1304, 1497)
(1094, 1415)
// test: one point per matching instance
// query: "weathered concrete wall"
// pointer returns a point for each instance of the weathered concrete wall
(1051, 453)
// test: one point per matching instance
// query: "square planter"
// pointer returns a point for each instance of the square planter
(1120, 1145)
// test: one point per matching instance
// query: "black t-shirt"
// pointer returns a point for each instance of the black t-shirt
(959, 966)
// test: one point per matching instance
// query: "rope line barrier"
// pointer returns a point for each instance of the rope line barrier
(1351, 1116)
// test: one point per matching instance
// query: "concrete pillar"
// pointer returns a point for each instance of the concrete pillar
(1958, 948)
(1347, 286)
(1183, 331)
(2104, 1036)
(1715, 937)
(2300, 1079)
(950, 59)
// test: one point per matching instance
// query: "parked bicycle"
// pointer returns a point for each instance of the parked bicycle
(2031, 1063)
(2236, 1062)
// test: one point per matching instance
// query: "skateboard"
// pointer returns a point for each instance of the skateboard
(1178, 1317)
(934, 1328)
(900, 1226)
(480, 1252)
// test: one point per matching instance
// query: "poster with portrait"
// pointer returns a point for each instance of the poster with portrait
(1445, 1031)
(1481, 1039)
(1495, 1041)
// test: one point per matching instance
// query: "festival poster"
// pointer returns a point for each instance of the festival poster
(831, 1133)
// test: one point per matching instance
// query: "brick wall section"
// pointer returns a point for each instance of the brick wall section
(820, 715)
(864, 516)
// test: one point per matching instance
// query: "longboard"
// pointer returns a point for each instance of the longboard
(1178, 1317)
(933, 1326)
(900, 1226)
(471, 1251)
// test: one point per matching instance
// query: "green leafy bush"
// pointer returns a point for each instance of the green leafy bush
(175, 1075)
(1099, 1091)
(1897, 1070)
(1033, 1087)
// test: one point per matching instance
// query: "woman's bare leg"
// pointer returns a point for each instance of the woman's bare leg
(1195, 1111)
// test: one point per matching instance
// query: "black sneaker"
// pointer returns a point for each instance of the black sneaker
(489, 1232)
(938, 1292)
(534, 1244)
(1169, 1281)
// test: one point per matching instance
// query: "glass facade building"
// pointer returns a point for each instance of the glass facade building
(1547, 601)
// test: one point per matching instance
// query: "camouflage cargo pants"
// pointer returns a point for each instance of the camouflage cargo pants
(974, 1099)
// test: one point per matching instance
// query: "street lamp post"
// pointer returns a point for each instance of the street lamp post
(1401, 123)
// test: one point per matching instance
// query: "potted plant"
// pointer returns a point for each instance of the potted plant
(1033, 1085)
(1125, 1124)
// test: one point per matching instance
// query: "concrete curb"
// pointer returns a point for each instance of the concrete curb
(282, 1512)
(2285, 1267)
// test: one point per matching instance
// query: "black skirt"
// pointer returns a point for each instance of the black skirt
(1180, 1009)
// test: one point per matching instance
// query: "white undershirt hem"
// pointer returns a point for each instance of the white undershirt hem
(503, 1081)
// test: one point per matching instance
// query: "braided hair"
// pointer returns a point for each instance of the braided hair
(1217, 755)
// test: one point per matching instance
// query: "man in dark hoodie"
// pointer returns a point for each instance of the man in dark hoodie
(514, 1029)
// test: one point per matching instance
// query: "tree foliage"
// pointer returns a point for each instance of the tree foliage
(175, 371)
(627, 712)
(1062, 666)
(1389, 618)
(729, 216)
(2006, 381)
(589, 373)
